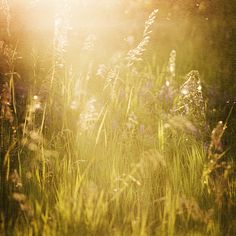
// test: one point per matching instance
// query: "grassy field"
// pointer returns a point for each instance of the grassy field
(122, 148)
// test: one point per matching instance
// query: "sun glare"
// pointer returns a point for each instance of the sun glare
(117, 117)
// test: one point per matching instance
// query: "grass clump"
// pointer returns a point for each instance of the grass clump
(115, 149)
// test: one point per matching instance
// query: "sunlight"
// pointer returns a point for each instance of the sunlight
(117, 117)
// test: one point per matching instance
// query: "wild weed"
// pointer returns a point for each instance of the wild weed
(110, 149)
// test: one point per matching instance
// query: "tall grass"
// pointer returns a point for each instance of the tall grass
(115, 151)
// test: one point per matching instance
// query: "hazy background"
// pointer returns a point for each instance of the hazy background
(202, 33)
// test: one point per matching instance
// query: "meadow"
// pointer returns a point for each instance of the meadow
(102, 142)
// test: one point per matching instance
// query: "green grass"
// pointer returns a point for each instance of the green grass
(109, 179)
(110, 157)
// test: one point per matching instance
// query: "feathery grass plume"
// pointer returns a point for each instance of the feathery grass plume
(62, 26)
(23, 204)
(8, 58)
(218, 172)
(89, 115)
(171, 65)
(132, 122)
(32, 137)
(8, 133)
(190, 102)
(127, 180)
(89, 43)
(216, 136)
(18, 197)
(6, 103)
(108, 74)
(102, 71)
(7, 99)
(135, 54)
(181, 123)
(166, 96)
(167, 92)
